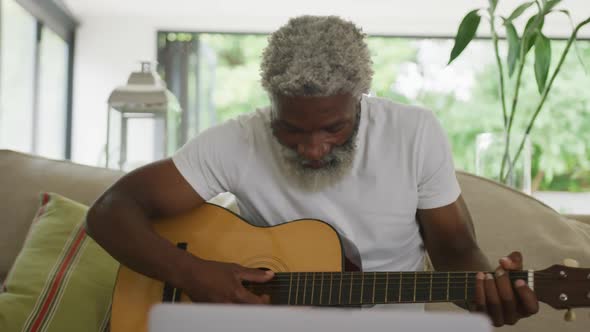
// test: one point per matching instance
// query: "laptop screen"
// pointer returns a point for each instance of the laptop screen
(251, 318)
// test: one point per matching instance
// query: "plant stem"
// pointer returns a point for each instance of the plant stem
(502, 88)
(500, 69)
(548, 87)
(501, 77)
(526, 34)
(506, 158)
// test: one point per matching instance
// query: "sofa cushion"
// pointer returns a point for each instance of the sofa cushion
(23, 177)
(506, 220)
(61, 280)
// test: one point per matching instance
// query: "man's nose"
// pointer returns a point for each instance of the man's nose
(314, 148)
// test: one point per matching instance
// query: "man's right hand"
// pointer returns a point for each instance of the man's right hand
(219, 282)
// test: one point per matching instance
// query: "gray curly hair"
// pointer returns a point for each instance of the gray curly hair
(316, 56)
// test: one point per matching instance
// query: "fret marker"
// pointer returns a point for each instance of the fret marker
(331, 280)
(466, 286)
(350, 293)
(401, 279)
(290, 286)
(340, 292)
(304, 287)
(448, 280)
(321, 287)
(374, 281)
(415, 279)
(430, 293)
(362, 286)
(297, 290)
(386, 284)
(312, 286)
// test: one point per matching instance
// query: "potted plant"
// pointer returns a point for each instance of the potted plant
(533, 41)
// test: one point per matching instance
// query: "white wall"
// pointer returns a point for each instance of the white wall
(114, 36)
(107, 50)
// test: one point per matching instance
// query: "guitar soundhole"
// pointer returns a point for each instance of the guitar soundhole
(171, 294)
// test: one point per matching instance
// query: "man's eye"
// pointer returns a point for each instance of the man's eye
(291, 129)
(284, 127)
(335, 129)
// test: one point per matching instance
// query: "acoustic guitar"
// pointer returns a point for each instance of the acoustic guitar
(314, 266)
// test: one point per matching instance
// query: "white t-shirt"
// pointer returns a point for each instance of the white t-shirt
(403, 163)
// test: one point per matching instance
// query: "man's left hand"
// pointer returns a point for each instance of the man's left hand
(503, 302)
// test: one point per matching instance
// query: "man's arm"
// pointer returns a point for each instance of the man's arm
(120, 221)
(449, 238)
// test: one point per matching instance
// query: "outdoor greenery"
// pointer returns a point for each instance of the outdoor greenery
(520, 46)
(560, 137)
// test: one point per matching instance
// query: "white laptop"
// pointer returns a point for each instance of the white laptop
(250, 318)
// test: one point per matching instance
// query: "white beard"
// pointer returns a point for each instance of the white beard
(337, 164)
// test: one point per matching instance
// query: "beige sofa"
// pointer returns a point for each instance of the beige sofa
(505, 220)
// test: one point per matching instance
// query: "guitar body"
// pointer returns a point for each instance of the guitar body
(214, 233)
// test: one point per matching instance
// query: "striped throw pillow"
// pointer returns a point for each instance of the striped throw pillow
(61, 280)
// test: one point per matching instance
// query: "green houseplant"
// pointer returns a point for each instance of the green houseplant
(510, 67)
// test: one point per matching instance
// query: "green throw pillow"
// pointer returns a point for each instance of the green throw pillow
(61, 280)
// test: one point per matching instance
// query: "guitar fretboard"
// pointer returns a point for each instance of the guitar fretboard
(358, 288)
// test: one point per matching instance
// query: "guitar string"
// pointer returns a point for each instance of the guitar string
(440, 283)
(410, 276)
(367, 285)
(381, 282)
(409, 273)
(419, 292)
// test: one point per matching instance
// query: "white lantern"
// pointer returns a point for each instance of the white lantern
(144, 96)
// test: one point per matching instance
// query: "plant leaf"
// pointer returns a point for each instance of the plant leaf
(550, 4)
(519, 10)
(513, 47)
(567, 13)
(531, 29)
(542, 60)
(465, 33)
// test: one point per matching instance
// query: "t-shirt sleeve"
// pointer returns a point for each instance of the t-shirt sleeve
(211, 161)
(437, 181)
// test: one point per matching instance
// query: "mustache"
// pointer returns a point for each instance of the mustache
(332, 159)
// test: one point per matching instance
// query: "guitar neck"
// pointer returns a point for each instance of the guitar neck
(359, 288)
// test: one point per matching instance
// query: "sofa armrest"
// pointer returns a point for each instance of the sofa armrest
(579, 217)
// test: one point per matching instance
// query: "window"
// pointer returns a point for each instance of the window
(53, 75)
(414, 71)
(34, 80)
(17, 77)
